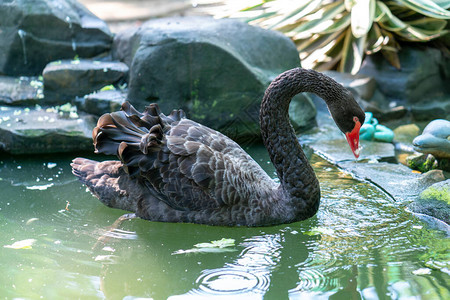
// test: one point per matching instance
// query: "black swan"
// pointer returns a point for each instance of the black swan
(173, 169)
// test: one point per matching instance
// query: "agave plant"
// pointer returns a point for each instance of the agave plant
(337, 34)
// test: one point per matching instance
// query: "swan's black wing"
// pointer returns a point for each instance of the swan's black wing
(184, 164)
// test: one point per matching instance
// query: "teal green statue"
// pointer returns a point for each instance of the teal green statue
(372, 131)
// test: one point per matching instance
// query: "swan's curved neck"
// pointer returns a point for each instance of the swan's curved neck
(298, 180)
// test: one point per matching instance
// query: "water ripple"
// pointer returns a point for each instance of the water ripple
(232, 281)
(312, 279)
(319, 259)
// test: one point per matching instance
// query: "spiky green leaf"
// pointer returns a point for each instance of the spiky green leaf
(428, 8)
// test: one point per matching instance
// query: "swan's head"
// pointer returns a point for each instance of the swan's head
(349, 117)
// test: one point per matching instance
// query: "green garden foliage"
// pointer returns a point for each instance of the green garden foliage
(338, 34)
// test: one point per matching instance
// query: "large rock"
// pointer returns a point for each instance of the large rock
(216, 70)
(36, 32)
(434, 201)
(66, 79)
(426, 110)
(423, 75)
(25, 131)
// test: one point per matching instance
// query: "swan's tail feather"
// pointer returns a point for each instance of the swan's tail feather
(133, 136)
(108, 182)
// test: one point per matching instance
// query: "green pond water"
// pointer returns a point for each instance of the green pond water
(360, 245)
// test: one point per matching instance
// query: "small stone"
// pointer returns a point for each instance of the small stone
(103, 102)
(21, 90)
(406, 133)
(422, 162)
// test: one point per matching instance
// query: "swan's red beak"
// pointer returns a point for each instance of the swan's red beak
(353, 138)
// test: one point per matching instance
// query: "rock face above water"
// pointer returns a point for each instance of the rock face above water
(36, 32)
(424, 74)
(215, 70)
(395, 179)
(25, 131)
(20, 90)
(103, 102)
(66, 79)
(435, 201)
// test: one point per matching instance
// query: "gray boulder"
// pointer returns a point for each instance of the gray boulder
(434, 139)
(36, 32)
(216, 70)
(423, 75)
(32, 131)
(434, 201)
(439, 108)
(66, 79)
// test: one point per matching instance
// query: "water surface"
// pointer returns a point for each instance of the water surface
(361, 244)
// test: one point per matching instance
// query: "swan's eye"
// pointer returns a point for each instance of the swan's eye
(355, 119)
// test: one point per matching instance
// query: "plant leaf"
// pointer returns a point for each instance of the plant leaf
(362, 16)
(316, 42)
(385, 18)
(222, 245)
(427, 8)
(430, 25)
(23, 244)
(352, 53)
(317, 25)
(349, 4)
(306, 8)
(443, 3)
(320, 230)
(338, 25)
(261, 16)
(255, 6)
